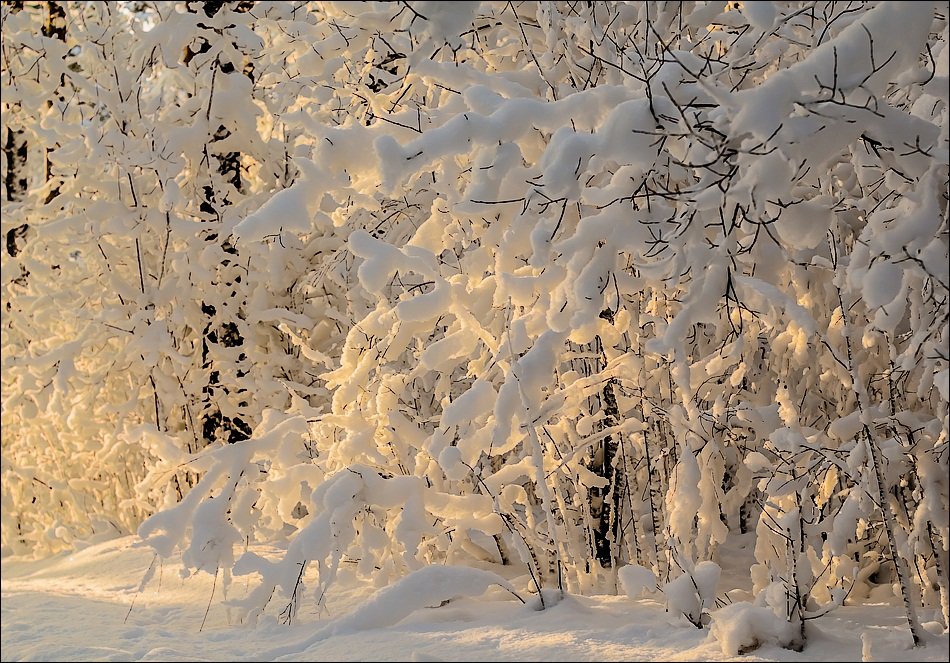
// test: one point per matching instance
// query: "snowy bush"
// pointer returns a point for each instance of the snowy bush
(743, 627)
(551, 286)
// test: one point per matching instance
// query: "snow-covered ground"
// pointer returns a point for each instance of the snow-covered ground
(76, 607)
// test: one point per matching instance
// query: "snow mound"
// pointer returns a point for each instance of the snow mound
(743, 627)
(429, 587)
(426, 588)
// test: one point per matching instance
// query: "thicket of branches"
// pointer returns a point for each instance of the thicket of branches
(565, 287)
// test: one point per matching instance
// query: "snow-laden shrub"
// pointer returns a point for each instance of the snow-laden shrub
(742, 627)
(560, 287)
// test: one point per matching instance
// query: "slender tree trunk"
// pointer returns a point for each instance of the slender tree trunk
(213, 423)
(606, 534)
(606, 525)
(874, 460)
(890, 525)
(53, 28)
(797, 592)
(15, 154)
(15, 180)
(940, 564)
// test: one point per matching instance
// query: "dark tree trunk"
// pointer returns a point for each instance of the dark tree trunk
(607, 530)
(213, 423)
(54, 28)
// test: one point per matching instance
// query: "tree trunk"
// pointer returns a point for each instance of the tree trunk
(54, 28)
(900, 568)
(213, 423)
(607, 530)
(900, 565)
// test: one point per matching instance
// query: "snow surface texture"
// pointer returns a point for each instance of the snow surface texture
(74, 607)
